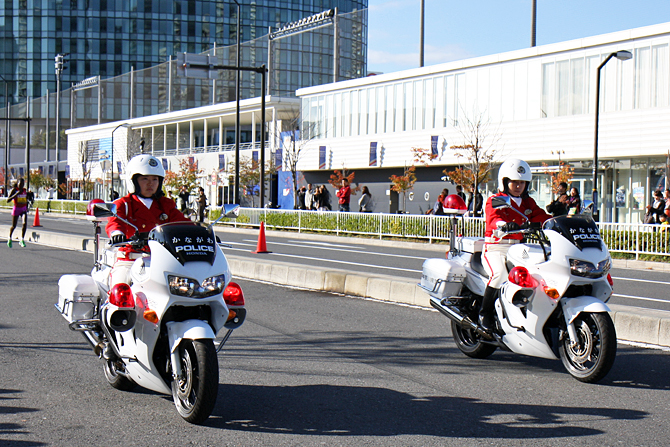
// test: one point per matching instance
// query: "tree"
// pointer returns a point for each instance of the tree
(39, 180)
(405, 182)
(250, 175)
(293, 147)
(187, 175)
(337, 176)
(478, 153)
(86, 158)
(564, 174)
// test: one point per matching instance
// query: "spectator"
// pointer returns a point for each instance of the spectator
(475, 206)
(309, 198)
(666, 197)
(302, 193)
(655, 209)
(559, 207)
(365, 203)
(344, 195)
(183, 199)
(202, 204)
(575, 202)
(459, 191)
(438, 209)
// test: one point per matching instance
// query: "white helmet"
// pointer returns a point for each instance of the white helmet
(143, 164)
(513, 169)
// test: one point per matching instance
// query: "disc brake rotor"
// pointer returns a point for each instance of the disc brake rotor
(581, 352)
(186, 382)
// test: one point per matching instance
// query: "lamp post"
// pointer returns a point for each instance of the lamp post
(6, 133)
(622, 56)
(111, 193)
(237, 111)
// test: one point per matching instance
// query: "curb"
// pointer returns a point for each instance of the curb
(633, 324)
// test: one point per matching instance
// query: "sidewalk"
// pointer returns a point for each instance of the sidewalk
(632, 323)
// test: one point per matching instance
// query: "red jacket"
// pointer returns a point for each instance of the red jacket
(134, 211)
(528, 208)
(343, 194)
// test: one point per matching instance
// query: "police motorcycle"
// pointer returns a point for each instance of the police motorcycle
(552, 304)
(159, 329)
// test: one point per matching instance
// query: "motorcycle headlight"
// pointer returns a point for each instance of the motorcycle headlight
(587, 269)
(183, 286)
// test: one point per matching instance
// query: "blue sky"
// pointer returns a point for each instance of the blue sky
(460, 29)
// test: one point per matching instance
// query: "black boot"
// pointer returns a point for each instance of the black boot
(487, 311)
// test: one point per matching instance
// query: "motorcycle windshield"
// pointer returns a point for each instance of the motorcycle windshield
(579, 229)
(186, 241)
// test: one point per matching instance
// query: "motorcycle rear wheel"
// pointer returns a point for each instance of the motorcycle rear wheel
(195, 394)
(115, 379)
(595, 352)
(470, 342)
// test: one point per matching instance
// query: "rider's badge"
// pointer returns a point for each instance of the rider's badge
(527, 212)
(163, 217)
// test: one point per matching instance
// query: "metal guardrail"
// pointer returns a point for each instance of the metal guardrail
(635, 239)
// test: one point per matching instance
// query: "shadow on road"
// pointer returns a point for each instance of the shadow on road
(365, 411)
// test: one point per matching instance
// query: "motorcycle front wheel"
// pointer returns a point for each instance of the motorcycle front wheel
(194, 394)
(470, 342)
(593, 356)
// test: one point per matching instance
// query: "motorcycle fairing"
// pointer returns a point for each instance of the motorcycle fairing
(186, 241)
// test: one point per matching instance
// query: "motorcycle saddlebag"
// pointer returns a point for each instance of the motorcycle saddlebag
(77, 297)
(442, 278)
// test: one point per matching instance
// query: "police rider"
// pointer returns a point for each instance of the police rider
(145, 206)
(514, 179)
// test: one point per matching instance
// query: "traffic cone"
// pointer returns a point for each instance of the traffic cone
(261, 247)
(36, 222)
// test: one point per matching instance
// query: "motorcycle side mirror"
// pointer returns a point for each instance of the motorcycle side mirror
(230, 211)
(101, 210)
(501, 202)
(588, 207)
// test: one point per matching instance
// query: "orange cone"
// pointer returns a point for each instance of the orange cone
(261, 247)
(36, 222)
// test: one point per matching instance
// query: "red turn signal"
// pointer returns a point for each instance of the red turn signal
(522, 278)
(233, 295)
(121, 296)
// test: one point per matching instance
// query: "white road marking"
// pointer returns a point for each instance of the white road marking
(643, 298)
(641, 280)
(349, 263)
(348, 251)
(325, 244)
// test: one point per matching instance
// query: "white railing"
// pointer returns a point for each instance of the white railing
(635, 239)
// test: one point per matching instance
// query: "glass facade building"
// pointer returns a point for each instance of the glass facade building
(108, 38)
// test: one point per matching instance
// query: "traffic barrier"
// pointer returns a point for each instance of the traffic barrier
(261, 247)
(36, 222)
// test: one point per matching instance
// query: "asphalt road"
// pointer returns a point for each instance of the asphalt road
(640, 288)
(312, 369)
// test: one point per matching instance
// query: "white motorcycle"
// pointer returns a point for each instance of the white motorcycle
(158, 329)
(552, 304)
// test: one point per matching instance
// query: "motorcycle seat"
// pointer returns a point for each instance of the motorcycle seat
(476, 264)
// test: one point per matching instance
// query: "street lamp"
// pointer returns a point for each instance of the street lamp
(6, 134)
(622, 56)
(237, 111)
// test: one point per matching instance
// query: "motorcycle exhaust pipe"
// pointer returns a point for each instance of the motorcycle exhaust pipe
(453, 315)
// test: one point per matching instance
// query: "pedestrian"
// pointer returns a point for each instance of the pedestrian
(202, 204)
(365, 203)
(655, 209)
(20, 197)
(575, 202)
(302, 192)
(666, 197)
(183, 197)
(50, 196)
(344, 196)
(322, 198)
(309, 197)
